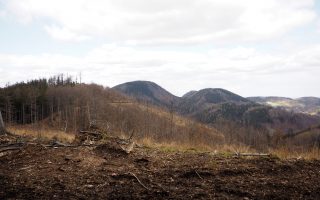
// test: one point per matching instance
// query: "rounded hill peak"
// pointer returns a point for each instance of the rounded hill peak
(147, 91)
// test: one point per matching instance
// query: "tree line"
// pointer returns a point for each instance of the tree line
(27, 102)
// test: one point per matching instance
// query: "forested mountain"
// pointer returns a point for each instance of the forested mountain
(146, 91)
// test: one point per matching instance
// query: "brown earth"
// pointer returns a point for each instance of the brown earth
(104, 172)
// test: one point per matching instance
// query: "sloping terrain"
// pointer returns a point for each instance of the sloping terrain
(213, 105)
(308, 105)
(257, 116)
(35, 171)
(269, 99)
(73, 107)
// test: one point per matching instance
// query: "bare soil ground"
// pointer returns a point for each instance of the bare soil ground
(103, 172)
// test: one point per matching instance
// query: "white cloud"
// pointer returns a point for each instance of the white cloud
(166, 21)
(2, 13)
(64, 34)
(242, 70)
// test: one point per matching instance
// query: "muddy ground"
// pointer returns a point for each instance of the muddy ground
(38, 172)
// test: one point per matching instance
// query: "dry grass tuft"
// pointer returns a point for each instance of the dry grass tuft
(42, 133)
(224, 149)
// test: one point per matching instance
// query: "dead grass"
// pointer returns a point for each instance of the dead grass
(224, 150)
(41, 133)
(231, 150)
(309, 154)
(174, 146)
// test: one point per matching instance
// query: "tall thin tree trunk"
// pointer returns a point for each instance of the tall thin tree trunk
(2, 128)
(31, 113)
(59, 113)
(51, 111)
(23, 113)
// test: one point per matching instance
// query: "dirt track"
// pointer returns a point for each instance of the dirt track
(36, 172)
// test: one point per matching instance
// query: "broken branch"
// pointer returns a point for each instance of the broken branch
(198, 174)
(132, 174)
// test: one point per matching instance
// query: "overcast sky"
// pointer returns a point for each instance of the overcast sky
(250, 47)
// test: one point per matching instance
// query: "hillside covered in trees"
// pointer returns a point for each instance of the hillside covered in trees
(241, 120)
(208, 117)
(63, 104)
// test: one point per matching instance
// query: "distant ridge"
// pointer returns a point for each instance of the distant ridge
(270, 98)
(309, 105)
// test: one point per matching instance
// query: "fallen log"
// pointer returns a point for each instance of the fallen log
(69, 146)
(19, 144)
(9, 149)
(91, 133)
(252, 154)
(54, 145)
